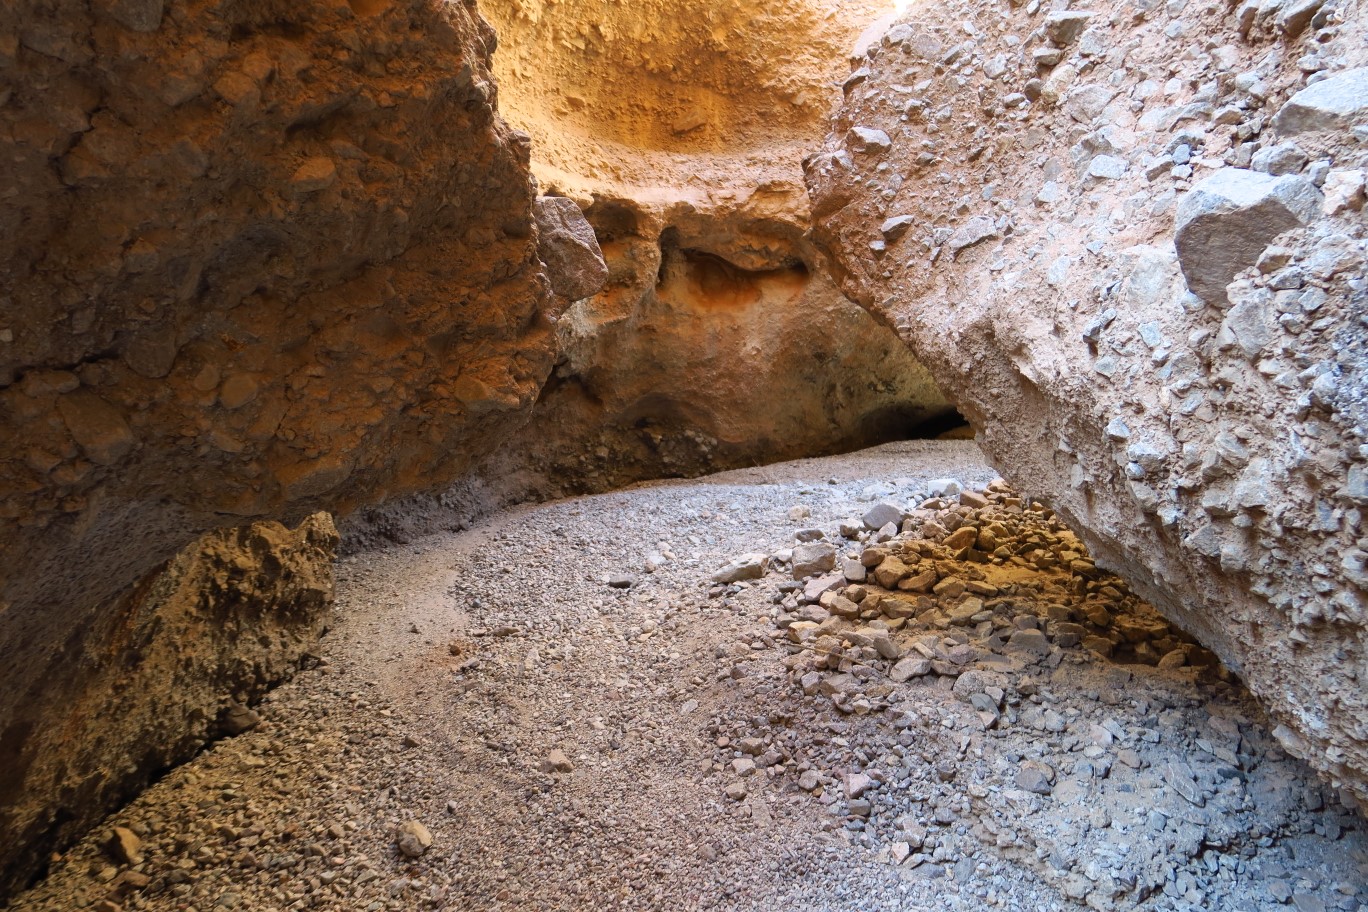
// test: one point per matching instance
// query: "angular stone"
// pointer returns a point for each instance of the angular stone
(973, 499)
(812, 558)
(889, 572)
(961, 538)
(884, 645)
(853, 570)
(911, 667)
(896, 227)
(238, 719)
(864, 139)
(1030, 641)
(1062, 27)
(1284, 158)
(881, 515)
(978, 229)
(1229, 218)
(856, 784)
(1033, 777)
(922, 581)
(813, 588)
(944, 487)
(568, 247)
(839, 605)
(1337, 102)
(124, 846)
(413, 838)
(745, 567)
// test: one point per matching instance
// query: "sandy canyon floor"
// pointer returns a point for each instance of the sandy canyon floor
(581, 718)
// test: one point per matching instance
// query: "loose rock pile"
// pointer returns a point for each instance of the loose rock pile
(956, 630)
(1130, 237)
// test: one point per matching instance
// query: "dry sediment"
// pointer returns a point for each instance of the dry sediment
(630, 734)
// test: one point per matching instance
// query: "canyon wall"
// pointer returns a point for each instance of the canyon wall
(718, 340)
(267, 258)
(1128, 239)
(262, 258)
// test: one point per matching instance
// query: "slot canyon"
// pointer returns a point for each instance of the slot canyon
(638, 454)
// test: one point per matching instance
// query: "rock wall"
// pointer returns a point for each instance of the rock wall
(1128, 240)
(174, 663)
(261, 258)
(680, 128)
(719, 340)
(765, 358)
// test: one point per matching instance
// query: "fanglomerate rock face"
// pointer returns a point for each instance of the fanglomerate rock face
(1129, 242)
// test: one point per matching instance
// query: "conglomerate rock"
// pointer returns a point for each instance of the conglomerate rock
(1004, 186)
(261, 258)
(173, 664)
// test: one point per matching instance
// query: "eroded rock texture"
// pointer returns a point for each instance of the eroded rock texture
(261, 258)
(718, 339)
(272, 257)
(175, 662)
(682, 142)
(765, 358)
(1006, 188)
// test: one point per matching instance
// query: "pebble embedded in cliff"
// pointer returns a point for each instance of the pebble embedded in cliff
(1337, 102)
(98, 427)
(569, 249)
(1229, 218)
(1063, 26)
(135, 15)
(896, 227)
(318, 173)
(978, 229)
(863, 139)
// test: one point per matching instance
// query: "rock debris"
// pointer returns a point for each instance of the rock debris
(987, 719)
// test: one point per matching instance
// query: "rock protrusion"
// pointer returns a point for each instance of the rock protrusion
(1230, 218)
(568, 248)
(1337, 102)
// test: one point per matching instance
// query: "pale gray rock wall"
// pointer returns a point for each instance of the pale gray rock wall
(1146, 287)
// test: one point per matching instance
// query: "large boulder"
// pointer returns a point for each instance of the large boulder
(1335, 103)
(568, 248)
(1175, 357)
(1231, 217)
